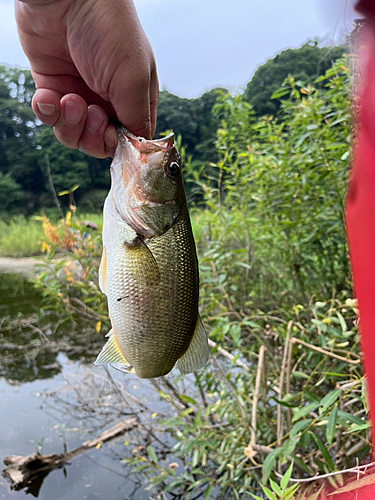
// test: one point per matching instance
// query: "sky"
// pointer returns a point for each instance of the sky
(202, 44)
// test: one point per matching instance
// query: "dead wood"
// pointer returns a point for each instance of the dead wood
(30, 471)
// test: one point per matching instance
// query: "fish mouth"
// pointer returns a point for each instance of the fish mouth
(146, 146)
(136, 156)
(133, 151)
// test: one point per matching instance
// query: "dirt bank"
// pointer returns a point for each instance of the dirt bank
(23, 265)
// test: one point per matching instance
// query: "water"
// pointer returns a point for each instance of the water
(30, 421)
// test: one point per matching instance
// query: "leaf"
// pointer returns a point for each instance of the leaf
(268, 492)
(324, 451)
(275, 487)
(300, 426)
(188, 399)
(152, 455)
(305, 410)
(298, 374)
(289, 493)
(288, 447)
(349, 417)
(358, 428)
(342, 322)
(186, 412)
(269, 464)
(315, 496)
(284, 403)
(286, 476)
(329, 399)
(300, 462)
(208, 491)
(355, 485)
(331, 426)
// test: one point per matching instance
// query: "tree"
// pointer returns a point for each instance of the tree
(193, 120)
(180, 115)
(305, 63)
(208, 124)
(10, 191)
(18, 131)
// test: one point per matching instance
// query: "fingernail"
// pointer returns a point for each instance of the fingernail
(110, 140)
(73, 112)
(46, 109)
(94, 120)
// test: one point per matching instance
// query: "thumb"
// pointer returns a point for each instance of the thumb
(134, 96)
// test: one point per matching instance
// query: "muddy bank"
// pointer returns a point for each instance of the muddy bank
(27, 266)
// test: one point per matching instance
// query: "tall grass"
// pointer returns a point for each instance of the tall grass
(21, 236)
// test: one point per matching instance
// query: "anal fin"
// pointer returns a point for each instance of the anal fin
(197, 354)
(111, 353)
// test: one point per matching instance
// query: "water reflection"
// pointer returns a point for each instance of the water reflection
(17, 295)
(31, 338)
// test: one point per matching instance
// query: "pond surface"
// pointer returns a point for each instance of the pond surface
(32, 420)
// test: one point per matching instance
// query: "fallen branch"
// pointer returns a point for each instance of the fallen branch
(326, 353)
(357, 468)
(228, 355)
(258, 379)
(30, 471)
(279, 431)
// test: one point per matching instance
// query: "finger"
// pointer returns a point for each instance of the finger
(130, 96)
(46, 106)
(69, 128)
(154, 99)
(95, 137)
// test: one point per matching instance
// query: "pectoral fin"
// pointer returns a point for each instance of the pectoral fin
(103, 272)
(141, 261)
(111, 353)
(197, 354)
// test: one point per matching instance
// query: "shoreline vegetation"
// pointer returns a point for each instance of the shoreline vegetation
(22, 236)
(286, 398)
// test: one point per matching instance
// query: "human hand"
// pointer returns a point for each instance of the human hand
(91, 62)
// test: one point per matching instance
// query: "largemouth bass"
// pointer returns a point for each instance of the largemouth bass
(149, 268)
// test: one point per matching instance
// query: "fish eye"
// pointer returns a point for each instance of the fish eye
(173, 169)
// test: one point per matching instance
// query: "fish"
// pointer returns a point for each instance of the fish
(149, 267)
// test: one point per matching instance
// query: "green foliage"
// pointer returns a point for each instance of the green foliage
(279, 492)
(69, 284)
(20, 237)
(92, 201)
(193, 120)
(10, 191)
(17, 135)
(305, 64)
(277, 192)
(212, 435)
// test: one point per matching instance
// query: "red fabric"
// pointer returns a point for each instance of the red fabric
(360, 218)
(360, 206)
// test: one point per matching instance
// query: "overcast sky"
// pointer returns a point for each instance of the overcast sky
(201, 44)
